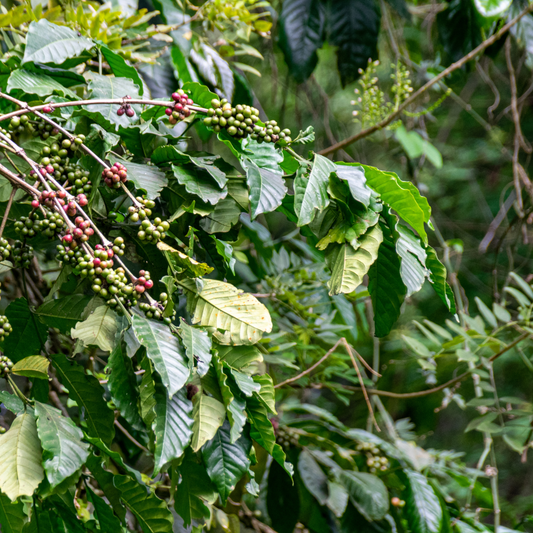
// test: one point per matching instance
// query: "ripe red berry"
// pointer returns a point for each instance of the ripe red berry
(96, 262)
(89, 232)
(141, 280)
(47, 109)
(130, 112)
(176, 97)
(178, 107)
(67, 238)
(168, 111)
(142, 272)
(110, 253)
(62, 194)
(82, 200)
(139, 289)
(49, 168)
(149, 284)
(78, 221)
(35, 203)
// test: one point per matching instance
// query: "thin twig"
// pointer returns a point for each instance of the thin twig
(130, 437)
(453, 67)
(8, 208)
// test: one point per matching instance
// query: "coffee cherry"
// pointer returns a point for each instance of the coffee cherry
(22, 254)
(47, 109)
(5, 249)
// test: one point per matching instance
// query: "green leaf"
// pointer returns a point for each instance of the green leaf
(314, 478)
(20, 449)
(367, 493)
(243, 358)
(12, 517)
(208, 415)
(225, 215)
(200, 183)
(245, 383)
(63, 313)
(349, 266)
(226, 462)
(28, 333)
(34, 366)
(108, 87)
(122, 384)
(11, 402)
(199, 93)
(413, 259)
(263, 433)
(222, 306)
(51, 43)
(338, 498)
(98, 329)
(147, 390)
(354, 175)
(151, 513)
(36, 83)
(165, 352)
(304, 137)
(486, 312)
(87, 392)
(194, 491)
(145, 177)
(353, 27)
(311, 193)
(103, 513)
(402, 196)
(302, 25)
(385, 283)
(266, 395)
(63, 451)
(416, 146)
(172, 426)
(197, 345)
(422, 509)
(120, 68)
(438, 277)
(180, 262)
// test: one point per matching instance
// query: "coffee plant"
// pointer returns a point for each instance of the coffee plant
(179, 322)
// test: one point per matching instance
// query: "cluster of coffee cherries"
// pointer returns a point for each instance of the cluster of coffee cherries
(374, 461)
(239, 121)
(81, 233)
(286, 438)
(21, 254)
(5, 249)
(140, 213)
(143, 282)
(48, 224)
(19, 125)
(179, 109)
(272, 133)
(126, 108)
(115, 175)
(157, 309)
(5, 365)
(78, 179)
(5, 328)
(152, 231)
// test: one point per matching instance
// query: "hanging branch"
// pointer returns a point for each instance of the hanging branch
(453, 67)
(8, 208)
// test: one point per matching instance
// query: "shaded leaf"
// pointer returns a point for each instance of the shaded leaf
(423, 510)
(367, 493)
(314, 478)
(63, 313)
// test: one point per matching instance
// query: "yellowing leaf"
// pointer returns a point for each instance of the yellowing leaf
(34, 366)
(179, 261)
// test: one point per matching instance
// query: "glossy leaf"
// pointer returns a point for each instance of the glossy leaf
(11, 402)
(36, 83)
(266, 394)
(222, 306)
(354, 176)
(226, 462)
(20, 449)
(172, 426)
(64, 453)
(200, 183)
(349, 266)
(165, 352)
(87, 392)
(438, 277)
(412, 259)
(120, 68)
(103, 513)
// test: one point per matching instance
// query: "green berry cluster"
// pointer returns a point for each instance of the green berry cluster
(5, 365)
(119, 248)
(152, 231)
(157, 309)
(22, 254)
(5, 328)
(141, 213)
(5, 249)
(49, 224)
(20, 124)
(287, 437)
(374, 461)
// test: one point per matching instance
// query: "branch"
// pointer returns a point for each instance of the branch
(454, 66)
(8, 208)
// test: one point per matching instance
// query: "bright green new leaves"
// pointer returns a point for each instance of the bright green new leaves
(34, 366)
(349, 266)
(402, 196)
(226, 462)
(263, 433)
(172, 426)
(122, 385)
(89, 395)
(197, 345)
(20, 469)
(98, 329)
(422, 508)
(367, 493)
(12, 515)
(208, 414)
(151, 512)
(28, 333)
(63, 451)
(165, 352)
(50, 43)
(222, 306)
(385, 284)
(311, 193)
